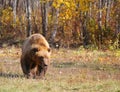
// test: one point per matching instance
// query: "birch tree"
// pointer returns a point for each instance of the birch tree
(15, 9)
(100, 22)
(54, 32)
(107, 6)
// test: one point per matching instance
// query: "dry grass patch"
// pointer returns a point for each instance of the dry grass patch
(70, 71)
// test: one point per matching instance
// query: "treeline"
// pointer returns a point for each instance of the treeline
(71, 23)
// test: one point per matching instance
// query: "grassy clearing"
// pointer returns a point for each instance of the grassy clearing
(61, 85)
(70, 71)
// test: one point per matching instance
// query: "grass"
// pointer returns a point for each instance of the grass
(60, 85)
(70, 71)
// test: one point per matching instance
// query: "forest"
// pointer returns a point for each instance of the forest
(70, 23)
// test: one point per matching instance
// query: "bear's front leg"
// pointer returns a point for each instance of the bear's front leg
(33, 72)
(41, 72)
(25, 67)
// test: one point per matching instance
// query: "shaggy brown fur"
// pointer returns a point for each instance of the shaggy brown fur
(35, 56)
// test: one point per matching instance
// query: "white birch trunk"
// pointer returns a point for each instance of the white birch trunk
(100, 22)
(53, 35)
(14, 10)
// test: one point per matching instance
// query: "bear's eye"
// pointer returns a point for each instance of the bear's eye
(49, 49)
(34, 49)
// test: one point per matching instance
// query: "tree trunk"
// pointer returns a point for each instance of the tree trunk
(1, 2)
(107, 5)
(14, 10)
(90, 9)
(53, 35)
(100, 22)
(85, 33)
(28, 14)
(44, 18)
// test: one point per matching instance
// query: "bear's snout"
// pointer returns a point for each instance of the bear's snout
(41, 58)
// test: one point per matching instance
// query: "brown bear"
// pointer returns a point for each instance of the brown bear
(35, 56)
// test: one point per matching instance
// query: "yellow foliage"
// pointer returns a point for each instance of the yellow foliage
(67, 4)
(117, 53)
(57, 3)
(7, 16)
(68, 8)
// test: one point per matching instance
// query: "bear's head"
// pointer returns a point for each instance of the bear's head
(40, 51)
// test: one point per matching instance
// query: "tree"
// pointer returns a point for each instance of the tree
(100, 22)
(28, 14)
(108, 8)
(15, 9)
(85, 32)
(44, 6)
(55, 26)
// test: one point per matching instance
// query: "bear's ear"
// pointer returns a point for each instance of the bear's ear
(49, 49)
(35, 50)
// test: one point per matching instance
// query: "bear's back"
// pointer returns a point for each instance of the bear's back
(32, 41)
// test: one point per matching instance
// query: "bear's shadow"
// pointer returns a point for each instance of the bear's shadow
(11, 75)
